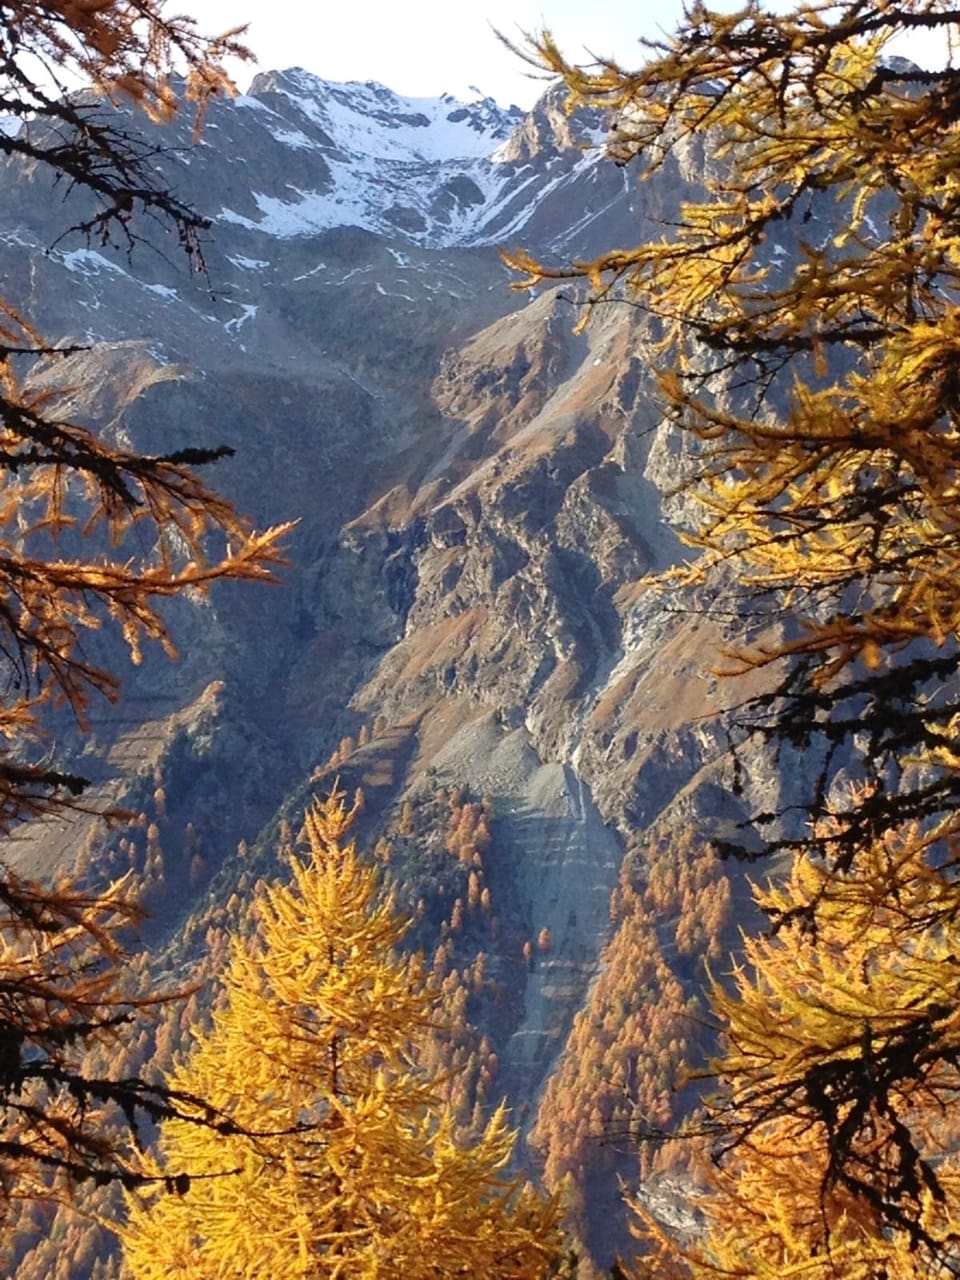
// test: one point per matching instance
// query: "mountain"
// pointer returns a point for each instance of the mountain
(479, 493)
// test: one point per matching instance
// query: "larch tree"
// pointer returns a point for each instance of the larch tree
(805, 315)
(59, 476)
(92, 535)
(344, 1162)
(839, 1140)
(805, 318)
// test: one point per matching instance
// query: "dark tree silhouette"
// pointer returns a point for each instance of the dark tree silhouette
(61, 976)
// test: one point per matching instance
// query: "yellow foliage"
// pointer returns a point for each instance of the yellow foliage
(839, 1077)
(336, 1159)
(816, 366)
(805, 320)
(55, 474)
(125, 49)
(154, 531)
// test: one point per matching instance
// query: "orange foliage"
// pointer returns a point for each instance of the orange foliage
(641, 1025)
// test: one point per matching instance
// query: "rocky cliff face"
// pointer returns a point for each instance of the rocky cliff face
(479, 494)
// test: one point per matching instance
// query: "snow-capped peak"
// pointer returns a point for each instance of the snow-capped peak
(432, 171)
(366, 119)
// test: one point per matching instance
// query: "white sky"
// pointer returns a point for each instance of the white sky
(422, 48)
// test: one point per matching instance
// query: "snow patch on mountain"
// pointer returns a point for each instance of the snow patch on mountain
(87, 262)
(247, 312)
(248, 264)
(292, 138)
(434, 171)
(367, 120)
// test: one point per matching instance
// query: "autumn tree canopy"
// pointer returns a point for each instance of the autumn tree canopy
(92, 535)
(805, 317)
(806, 324)
(60, 477)
(345, 1162)
(839, 1138)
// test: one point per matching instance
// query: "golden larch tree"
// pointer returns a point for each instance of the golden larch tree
(93, 536)
(803, 318)
(837, 1140)
(343, 1163)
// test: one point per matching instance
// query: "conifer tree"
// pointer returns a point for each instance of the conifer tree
(804, 322)
(803, 317)
(837, 1142)
(344, 1162)
(93, 535)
